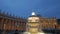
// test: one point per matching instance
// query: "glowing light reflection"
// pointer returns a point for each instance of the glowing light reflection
(30, 33)
(26, 33)
(41, 33)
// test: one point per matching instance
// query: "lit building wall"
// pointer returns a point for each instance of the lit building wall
(48, 23)
(12, 23)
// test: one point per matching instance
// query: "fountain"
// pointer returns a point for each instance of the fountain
(32, 26)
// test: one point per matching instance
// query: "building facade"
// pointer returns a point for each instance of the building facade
(8, 22)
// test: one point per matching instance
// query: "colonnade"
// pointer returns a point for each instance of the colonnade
(9, 23)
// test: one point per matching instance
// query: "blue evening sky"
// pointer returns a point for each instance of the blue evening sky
(23, 8)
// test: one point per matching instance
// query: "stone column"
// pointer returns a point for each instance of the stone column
(12, 24)
(9, 24)
(3, 32)
(2, 22)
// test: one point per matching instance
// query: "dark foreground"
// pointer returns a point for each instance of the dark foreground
(21, 32)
